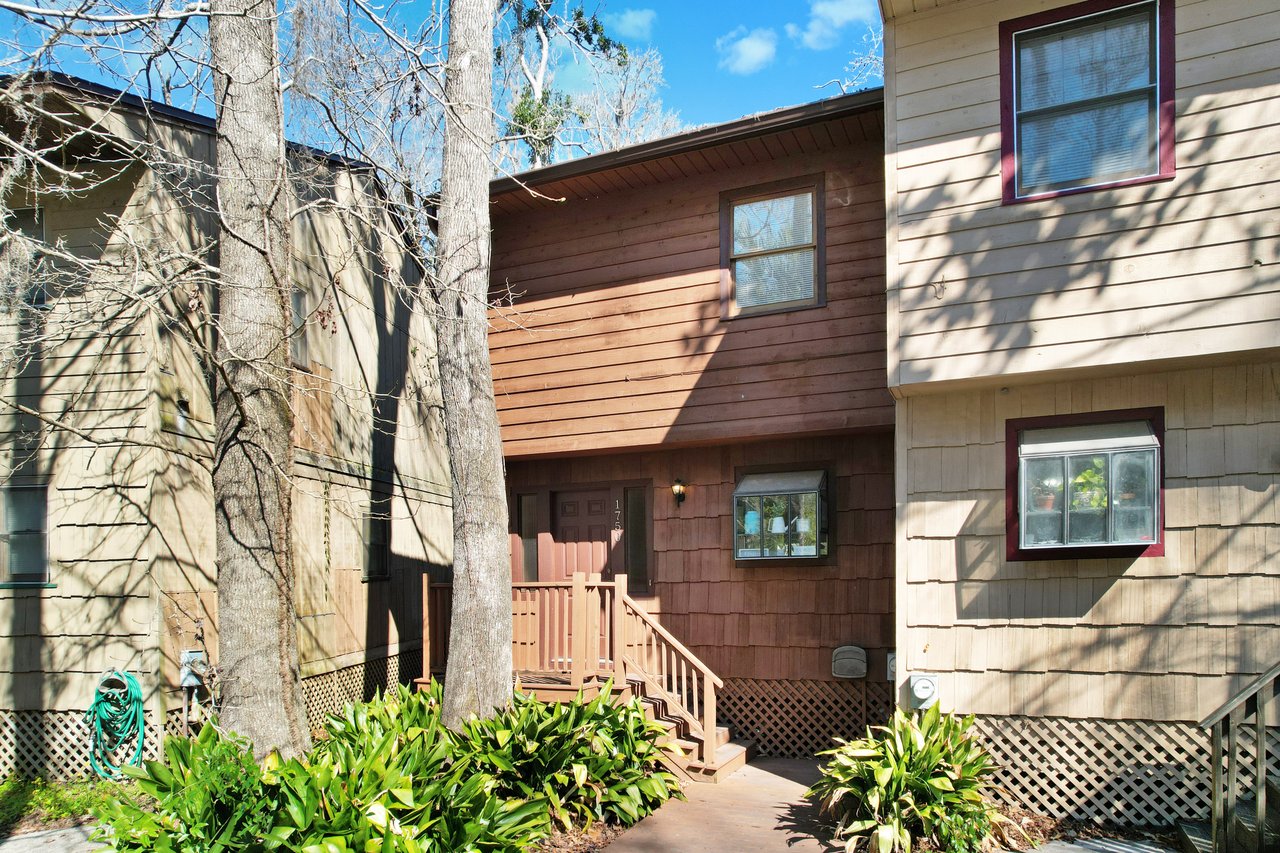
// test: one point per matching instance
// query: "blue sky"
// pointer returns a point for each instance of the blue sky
(729, 59)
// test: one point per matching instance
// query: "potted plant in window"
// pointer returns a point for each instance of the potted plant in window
(1045, 492)
(1088, 522)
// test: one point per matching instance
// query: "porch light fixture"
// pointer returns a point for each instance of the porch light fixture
(677, 489)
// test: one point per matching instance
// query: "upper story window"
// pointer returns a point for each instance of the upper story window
(299, 351)
(1086, 98)
(22, 533)
(771, 252)
(1088, 483)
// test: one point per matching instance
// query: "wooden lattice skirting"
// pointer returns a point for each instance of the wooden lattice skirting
(799, 718)
(1127, 772)
(328, 692)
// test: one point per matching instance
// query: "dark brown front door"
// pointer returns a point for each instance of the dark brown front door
(586, 529)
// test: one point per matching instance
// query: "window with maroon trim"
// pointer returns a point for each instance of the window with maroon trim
(1086, 98)
(1086, 485)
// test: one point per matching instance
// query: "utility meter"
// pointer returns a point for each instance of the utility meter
(923, 690)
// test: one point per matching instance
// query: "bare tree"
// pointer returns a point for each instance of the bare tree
(261, 688)
(480, 635)
(624, 105)
(866, 64)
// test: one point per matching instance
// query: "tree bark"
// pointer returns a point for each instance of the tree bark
(258, 675)
(478, 675)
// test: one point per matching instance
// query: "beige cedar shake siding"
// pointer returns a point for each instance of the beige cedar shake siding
(130, 528)
(1163, 638)
(1173, 269)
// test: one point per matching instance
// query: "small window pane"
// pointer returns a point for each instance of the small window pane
(1107, 142)
(775, 223)
(1042, 499)
(804, 512)
(774, 279)
(1135, 496)
(25, 518)
(527, 511)
(747, 526)
(1087, 60)
(636, 537)
(298, 342)
(1087, 509)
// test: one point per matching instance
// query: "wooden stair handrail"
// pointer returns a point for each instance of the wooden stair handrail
(662, 632)
(1224, 726)
(1244, 694)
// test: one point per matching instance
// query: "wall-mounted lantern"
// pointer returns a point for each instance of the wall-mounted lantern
(677, 489)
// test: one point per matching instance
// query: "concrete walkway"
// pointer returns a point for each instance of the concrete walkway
(761, 809)
(758, 809)
(73, 840)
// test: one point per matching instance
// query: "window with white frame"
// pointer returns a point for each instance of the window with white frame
(1087, 97)
(781, 516)
(23, 513)
(771, 246)
(1089, 485)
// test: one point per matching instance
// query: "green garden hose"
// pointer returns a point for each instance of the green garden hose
(115, 716)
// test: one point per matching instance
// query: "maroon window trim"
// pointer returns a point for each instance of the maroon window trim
(1164, 93)
(1012, 518)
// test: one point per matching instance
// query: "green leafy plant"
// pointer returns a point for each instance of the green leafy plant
(920, 777)
(387, 775)
(1089, 487)
(209, 796)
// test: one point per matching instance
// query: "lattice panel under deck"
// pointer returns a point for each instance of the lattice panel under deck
(329, 692)
(55, 744)
(1129, 772)
(800, 718)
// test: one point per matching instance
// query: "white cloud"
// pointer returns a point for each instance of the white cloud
(632, 24)
(828, 18)
(743, 52)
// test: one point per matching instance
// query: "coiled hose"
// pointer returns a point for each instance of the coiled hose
(115, 716)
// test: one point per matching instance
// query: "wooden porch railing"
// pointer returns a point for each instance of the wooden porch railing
(589, 630)
(1225, 725)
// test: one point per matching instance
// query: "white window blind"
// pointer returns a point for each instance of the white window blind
(1086, 101)
(774, 251)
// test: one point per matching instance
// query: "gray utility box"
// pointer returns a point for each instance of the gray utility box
(849, 662)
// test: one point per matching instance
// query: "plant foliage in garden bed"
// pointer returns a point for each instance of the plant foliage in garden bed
(922, 778)
(388, 776)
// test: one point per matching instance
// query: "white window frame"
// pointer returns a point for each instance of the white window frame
(1095, 487)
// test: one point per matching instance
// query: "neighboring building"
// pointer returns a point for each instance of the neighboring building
(107, 546)
(708, 310)
(1083, 330)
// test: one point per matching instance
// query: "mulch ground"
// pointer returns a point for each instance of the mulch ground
(581, 841)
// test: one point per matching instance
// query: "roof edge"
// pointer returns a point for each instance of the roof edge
(692, 140)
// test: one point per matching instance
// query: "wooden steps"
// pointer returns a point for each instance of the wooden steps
(730, 755)
(1242, 828)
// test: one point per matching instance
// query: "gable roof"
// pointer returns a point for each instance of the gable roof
(559, 177)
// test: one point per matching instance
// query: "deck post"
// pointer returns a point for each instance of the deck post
(709, 736)
(426, 626)
(578, 622)
(591, 662)
(618, 634)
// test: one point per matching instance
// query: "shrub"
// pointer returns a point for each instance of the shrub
(388, 776)
(53, 801)
(920, 777)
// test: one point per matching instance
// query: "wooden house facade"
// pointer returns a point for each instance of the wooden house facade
(707, 312)
(106, 429)
(1083, 319)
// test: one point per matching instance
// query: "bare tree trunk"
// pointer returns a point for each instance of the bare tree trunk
(261, 691)
(478, 678)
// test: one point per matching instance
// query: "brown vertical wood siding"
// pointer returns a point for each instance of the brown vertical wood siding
(766, 623)
(614, 337)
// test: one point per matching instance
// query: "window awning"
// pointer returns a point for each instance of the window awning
(1085, 439)
(782, 483)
